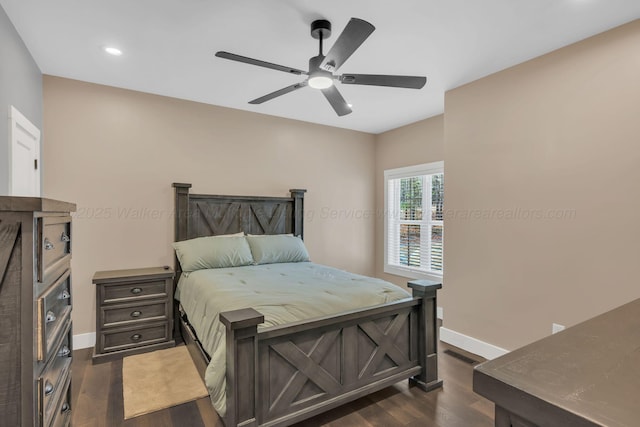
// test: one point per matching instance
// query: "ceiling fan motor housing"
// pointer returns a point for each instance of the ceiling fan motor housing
(314, 65)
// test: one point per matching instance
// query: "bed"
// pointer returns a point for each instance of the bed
(279, 369)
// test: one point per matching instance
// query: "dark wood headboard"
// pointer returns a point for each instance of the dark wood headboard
(200, 215)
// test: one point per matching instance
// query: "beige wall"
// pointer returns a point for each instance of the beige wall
(561, 132)
(414, 144)
(116, 152)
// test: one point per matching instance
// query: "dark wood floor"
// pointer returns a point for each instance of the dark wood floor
(97, 394)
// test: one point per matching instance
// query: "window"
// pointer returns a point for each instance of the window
(414, 198)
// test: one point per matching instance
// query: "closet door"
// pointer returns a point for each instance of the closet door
(24, 156)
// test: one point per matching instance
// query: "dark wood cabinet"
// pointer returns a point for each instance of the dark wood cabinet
(134, 312)
(35, 312)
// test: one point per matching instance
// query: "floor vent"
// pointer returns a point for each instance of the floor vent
(462, 357)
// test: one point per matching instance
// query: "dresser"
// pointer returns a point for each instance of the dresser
(35, 312)
(585, 376)
(134, 312)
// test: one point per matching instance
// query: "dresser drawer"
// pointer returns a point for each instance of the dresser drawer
(134, 337)
(61, 348)
(135, 290)
(54, 313)
(52, 386)
(63, 410)
(53, 246)
(130, 314)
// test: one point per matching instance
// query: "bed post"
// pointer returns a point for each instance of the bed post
(298, 211)
(182, 210)
(427, 334)
(242, 366)
(181, 220)
(180, 233)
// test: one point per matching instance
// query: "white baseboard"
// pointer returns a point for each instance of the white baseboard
(84, 340)
(440, 313)
(470, 344)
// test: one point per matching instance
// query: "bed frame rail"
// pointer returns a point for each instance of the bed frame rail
(284, 374)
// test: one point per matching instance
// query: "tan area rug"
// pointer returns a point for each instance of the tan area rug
(158, 380)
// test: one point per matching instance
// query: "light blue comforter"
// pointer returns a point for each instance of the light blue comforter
(283, 293)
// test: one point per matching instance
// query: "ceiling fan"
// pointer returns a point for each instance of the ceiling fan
(322, 67)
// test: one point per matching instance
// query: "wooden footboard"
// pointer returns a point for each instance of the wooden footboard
(282, 375)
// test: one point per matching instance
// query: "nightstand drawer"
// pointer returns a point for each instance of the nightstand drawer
(125, 292)
(134, 337)
(53, 248)
(129, 314)
(54, 313)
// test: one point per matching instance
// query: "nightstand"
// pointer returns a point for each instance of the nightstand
(134, 312)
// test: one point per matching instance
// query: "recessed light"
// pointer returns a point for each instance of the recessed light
(350, 105)
(113, 51)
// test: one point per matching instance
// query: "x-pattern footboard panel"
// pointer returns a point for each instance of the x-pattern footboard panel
(309, 378)
(316, 365)
(391, 347)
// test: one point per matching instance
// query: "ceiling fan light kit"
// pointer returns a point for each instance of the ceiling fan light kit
(319, 78)
(321, 67)
(320, 82)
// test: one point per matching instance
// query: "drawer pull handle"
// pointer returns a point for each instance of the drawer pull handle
(65, 408)
(64, 351)
(136, 337)
(136, 291)
(48, 388)
(51, 317)
(65, 295)
(65, 237)
(47, 244)
(136, 313)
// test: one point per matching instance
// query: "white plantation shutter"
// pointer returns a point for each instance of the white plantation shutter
(414, 228)
(393, 230)
(436, 224)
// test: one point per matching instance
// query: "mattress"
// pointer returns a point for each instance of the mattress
(283, 293)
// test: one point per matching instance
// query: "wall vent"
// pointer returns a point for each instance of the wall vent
(459, 356)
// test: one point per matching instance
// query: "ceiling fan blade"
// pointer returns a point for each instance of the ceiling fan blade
(353, 35)
(410, 82)
(246, 60)
(278, 93)
(336, 100)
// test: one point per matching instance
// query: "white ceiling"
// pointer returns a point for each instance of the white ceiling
(169, 47)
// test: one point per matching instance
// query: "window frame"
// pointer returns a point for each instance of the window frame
(408, 172)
